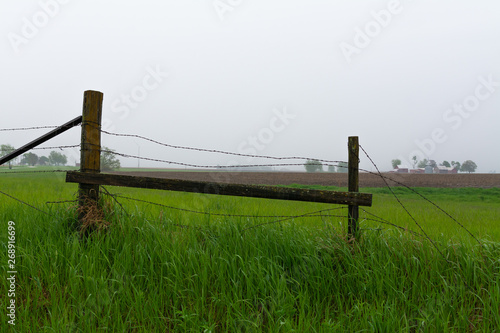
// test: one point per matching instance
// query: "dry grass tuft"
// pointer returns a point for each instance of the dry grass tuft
(92, 216)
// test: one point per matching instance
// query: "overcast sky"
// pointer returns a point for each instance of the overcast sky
(280, 77)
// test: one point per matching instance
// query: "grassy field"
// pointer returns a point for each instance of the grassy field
(156, 269)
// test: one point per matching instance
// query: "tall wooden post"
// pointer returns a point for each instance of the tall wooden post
(90, 156)
(353, 186)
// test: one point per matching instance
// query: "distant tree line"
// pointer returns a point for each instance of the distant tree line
(467, 166)
(32, 159)
(55, 158)
(108, 159)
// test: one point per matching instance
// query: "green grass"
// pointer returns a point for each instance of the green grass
(478, 210)
(147, 274)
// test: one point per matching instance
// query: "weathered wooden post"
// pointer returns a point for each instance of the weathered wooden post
(90, 156)
(353, 186)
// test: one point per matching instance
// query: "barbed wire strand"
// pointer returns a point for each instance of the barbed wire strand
(42, 148)
(414, 220)
(226, 215)
(61, 202)
(26, 128)
(382, 220)
(285, 217)
(56, 147)
(403, 206)
(34, 171)
(204, 166)
(114, 198)
(214, 150)
(420, 227)
(25, 203)
(426, 199)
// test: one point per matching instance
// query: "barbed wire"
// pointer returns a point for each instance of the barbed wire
(25, 203)
(114, 198)
(44, 148)
(405, 209)
(34, 171)
(327, 163)
(419, 226)
(61, 202)
(26, 128)
(56, 147)
(203, 166)
(227, 215)
(384, 178)
(282, 218)
(419, 194)
(384, 221)
(286, 217)
(215, 150)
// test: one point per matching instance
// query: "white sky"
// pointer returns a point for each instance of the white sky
(390, 72)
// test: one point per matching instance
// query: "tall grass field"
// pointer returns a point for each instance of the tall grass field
(202, 263)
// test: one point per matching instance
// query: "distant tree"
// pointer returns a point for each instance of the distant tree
(108, 160)
(468, 166)
(343, 167)
(4, 150)
(446, 164)
(30, 159)
(313, 166)
(456, 165)
(415, 161)
(43, 160)
(395, 163)
(331, 168)
(56, 158)
(423, 163)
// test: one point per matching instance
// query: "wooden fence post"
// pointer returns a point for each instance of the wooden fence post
(353, 186)
(90, 156)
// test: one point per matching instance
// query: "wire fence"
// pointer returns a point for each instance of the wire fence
(339, 164)
(271, 219)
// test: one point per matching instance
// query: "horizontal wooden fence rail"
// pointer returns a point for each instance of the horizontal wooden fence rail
(255, 191)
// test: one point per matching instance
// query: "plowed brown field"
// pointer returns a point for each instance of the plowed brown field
(328, 179)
